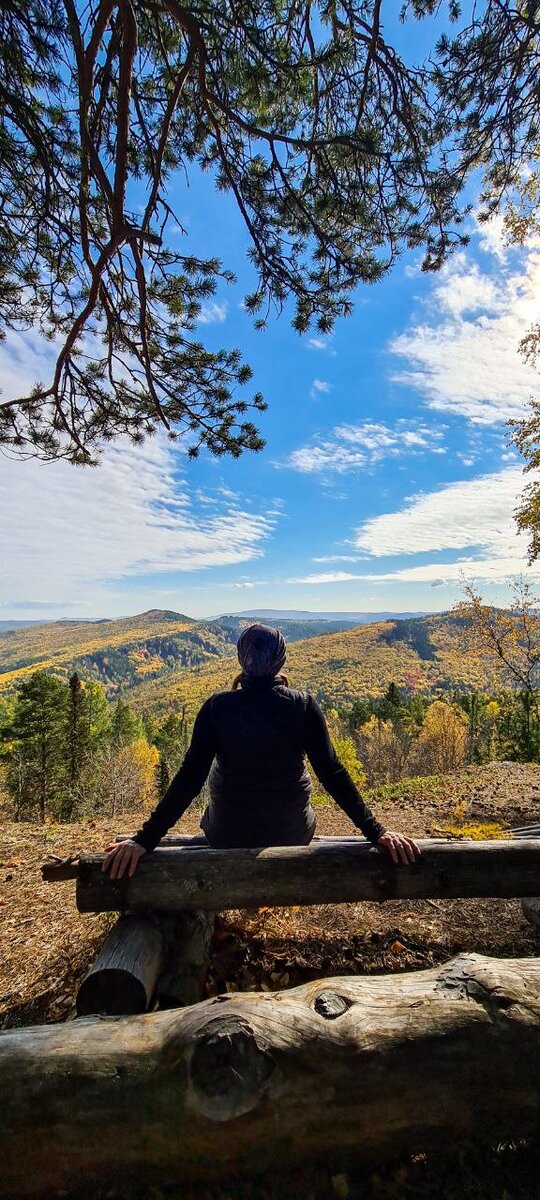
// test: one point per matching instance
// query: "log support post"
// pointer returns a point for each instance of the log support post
(149, 957)
(122, 979)
(188, 943)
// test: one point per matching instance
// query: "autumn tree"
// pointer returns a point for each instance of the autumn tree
(509, 639)
(128, 779)
(443, 739)
(522, 223)
(88, 734)
(379, 750)
(337, 154)
(172, 739)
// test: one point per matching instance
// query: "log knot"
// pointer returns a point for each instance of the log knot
(331, 1005)
(227, 1070)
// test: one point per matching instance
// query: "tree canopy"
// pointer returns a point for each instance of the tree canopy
(338, 154)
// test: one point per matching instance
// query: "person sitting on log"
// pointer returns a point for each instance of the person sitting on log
(252, 741)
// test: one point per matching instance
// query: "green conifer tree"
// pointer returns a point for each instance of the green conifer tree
(126, 725)
(37, 775)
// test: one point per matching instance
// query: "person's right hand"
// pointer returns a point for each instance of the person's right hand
(402, 849)
(122, 857)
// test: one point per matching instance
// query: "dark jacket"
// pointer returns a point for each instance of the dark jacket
(253, 743)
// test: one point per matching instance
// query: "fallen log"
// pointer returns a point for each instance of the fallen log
(124, 975)
(374, 1065)
(188, 943)
(322, 873)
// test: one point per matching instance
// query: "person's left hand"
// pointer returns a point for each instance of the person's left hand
(402, 849)
(122, 857)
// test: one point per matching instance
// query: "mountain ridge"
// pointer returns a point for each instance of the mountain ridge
(300, 614)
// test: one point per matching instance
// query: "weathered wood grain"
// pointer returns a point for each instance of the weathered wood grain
(531, 910)
(188, 938)
(124, 975)
(374, 1065)
(323, 873)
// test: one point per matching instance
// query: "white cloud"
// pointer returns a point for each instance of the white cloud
(476, 512)
(213, 313)
(319, 388)
(464, 358)
(361, 446)
(25, 359)
(330, 577)
(319, 343)
(325, 558)
(472, 516)
(491, 237)
(71, 530)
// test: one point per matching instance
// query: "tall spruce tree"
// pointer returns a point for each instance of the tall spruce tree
(89, 732)
(38, 774)
(126, 725)
(337, 153)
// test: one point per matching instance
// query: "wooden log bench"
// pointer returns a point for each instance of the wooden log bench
(160, 951)
(329, 871)
(378, 1066)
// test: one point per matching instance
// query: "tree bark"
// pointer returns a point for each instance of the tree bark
(188, 943)
(189, 839)
(124, 975)
(374, 1065)
(326, 872)
(531, 910)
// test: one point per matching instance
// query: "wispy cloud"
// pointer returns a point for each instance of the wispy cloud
(472, 517)
(71, 529)
(475, 512)
(325, 577)
(351, 447)
(213, 313)
(464, 357)
(321, 344)
(319, 388)
(327, 558)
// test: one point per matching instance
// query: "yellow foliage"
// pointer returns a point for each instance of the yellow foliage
(444, 737)
(139, 761)
(346, 752)
(477, 832)
(460, 808)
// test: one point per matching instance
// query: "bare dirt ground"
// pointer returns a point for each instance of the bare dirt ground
(47, 945)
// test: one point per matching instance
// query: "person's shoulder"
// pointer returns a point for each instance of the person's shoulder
(224, 697)
(294, 695)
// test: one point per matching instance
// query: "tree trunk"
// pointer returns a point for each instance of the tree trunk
(325, 872)
(188, 938)
(375, 1065)
(531, 910)
(124, 975)
(142, 949)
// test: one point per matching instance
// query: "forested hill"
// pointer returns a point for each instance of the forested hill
(420, 655)
(122, 654)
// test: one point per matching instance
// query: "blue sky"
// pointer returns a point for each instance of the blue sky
(386, 476)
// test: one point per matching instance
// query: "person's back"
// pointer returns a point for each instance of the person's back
(252, 742)
(259, 783)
